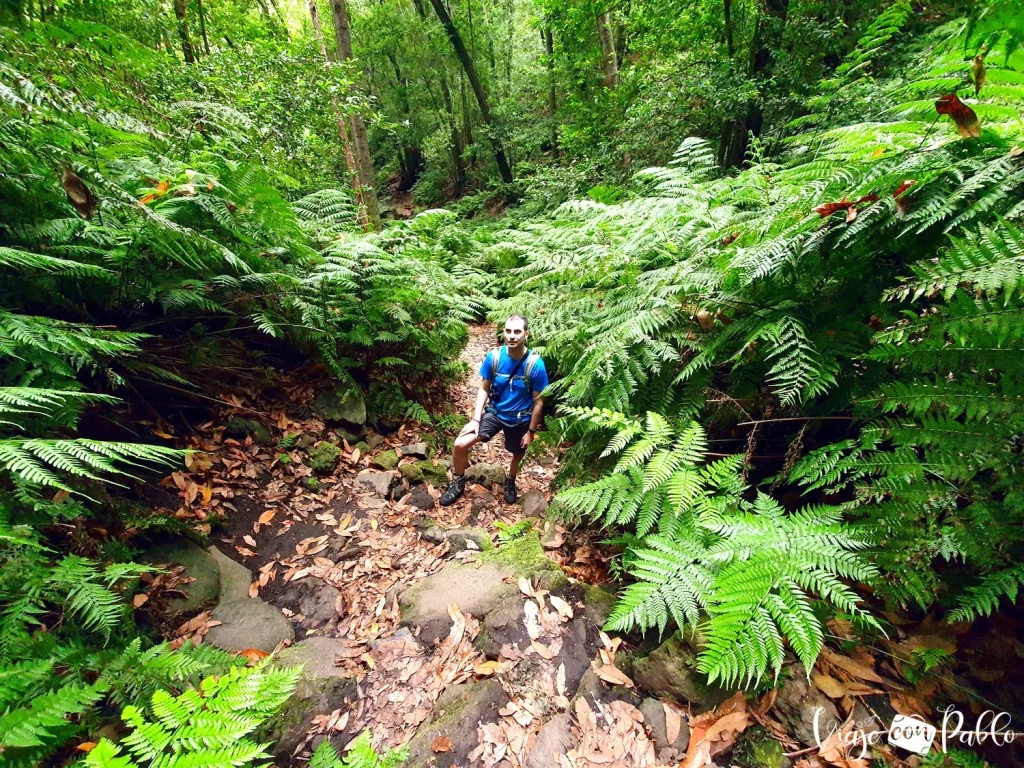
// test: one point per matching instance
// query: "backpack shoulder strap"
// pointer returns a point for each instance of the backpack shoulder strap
(531, 362)
(495, 355)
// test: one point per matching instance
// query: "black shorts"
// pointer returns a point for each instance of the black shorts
(490, 425)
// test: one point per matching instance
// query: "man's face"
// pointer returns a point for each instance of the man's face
(515, 334)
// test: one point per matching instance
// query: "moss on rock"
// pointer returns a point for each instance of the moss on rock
(525, 557)
(324, 457)
(386, 459)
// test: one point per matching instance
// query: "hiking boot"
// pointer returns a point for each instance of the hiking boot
(510, 491)
(455, 489)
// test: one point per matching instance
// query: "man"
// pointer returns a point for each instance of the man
(512, 379)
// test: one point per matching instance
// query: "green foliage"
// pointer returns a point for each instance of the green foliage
(510, 531)
(839, 319)
(204, 726)
(358, 754)
(746, 571)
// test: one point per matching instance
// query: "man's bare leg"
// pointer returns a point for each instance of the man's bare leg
(513, 468)
(460, 454)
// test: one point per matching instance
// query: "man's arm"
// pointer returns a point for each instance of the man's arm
(535, 417)
(478, 411)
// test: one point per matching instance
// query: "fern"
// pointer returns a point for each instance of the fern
(209, 726)
(359, 754)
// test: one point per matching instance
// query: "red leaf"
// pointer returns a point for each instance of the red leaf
(966, 121)
(829, 208)
(902, 203)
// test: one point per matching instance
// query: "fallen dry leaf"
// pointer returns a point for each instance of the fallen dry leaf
(612, 674)
(441, 744)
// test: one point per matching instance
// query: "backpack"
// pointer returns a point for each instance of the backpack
(531, 363)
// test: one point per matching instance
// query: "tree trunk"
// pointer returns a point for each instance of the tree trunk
(350, 160)
(735, 136)
(410, 156)
(549, 48)
(608, 61)
(202, 26)
(476, 85)
(360, 139)
(181, 13)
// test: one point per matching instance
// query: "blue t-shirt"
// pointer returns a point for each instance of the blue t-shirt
(514, 400)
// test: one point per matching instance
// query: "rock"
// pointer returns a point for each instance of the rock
(249, 623)
(374, 441)
(235, 578)
(305, 441)
(796, 704)
(378, 482)
(421, 499)
(459, 538)
(341, 404)
(482, 504)
(320, 604)
(425, 471)
(352, 438)
(670, 672)
(386, 460)
(503, 625)
(457, 714)
(654, 718)
(199, 565)
(486, 474)
(755, 748)
(575, 655)
(525, 556)
(311, 484)
(534, 504)
(598, 603)
(324, 457)
(476, 590)
(322, 688)
(553, 739)
(596, 690)
(415, 449)
(239, 428)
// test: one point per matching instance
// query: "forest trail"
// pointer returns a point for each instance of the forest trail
(335, 555)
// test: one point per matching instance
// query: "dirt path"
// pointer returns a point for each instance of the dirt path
(334, 555)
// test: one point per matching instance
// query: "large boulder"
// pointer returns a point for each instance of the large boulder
(670, 671)
(476, 588)
(457, 714)
(322, 688)
(324, 457)
(249, 623)
(199, 565)
(341, 404)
